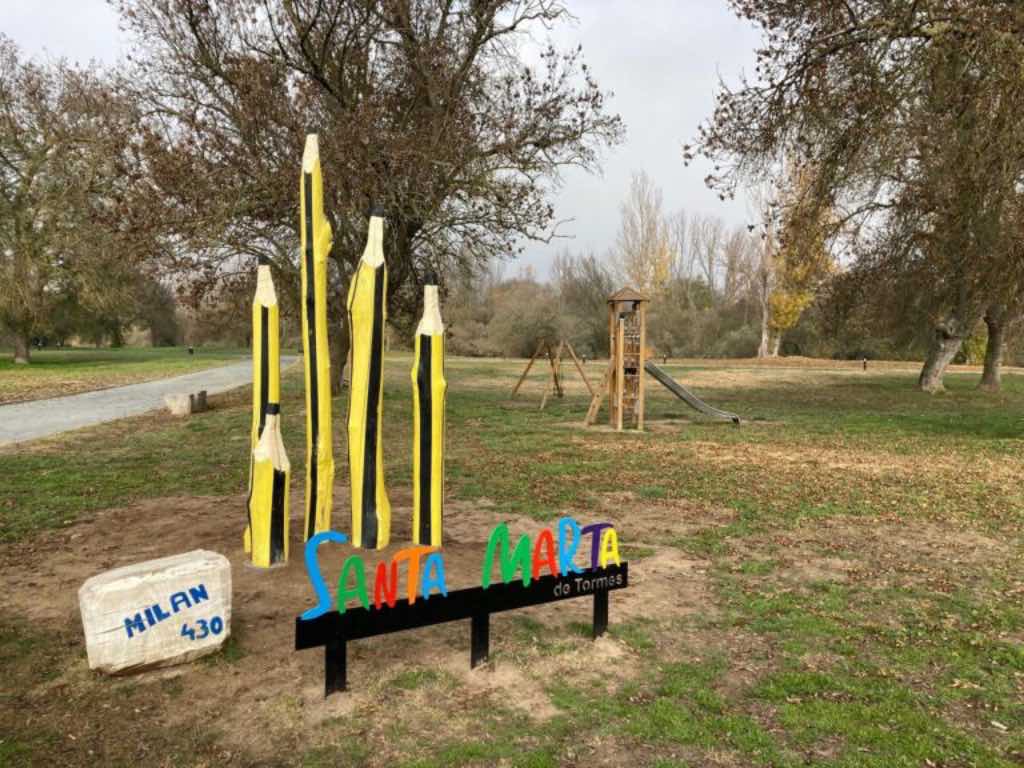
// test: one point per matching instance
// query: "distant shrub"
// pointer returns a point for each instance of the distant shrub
(739, 342)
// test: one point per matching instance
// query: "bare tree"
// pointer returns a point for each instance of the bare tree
(643, 252)
(707, 239)
(584, 284)
(1005, 311)
(74, 227)
(424, 107)
(909, 113)
(735, 254)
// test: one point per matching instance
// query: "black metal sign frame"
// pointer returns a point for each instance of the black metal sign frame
(333, 630)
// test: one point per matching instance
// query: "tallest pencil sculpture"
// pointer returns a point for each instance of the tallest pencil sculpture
(316, 243)
(367, 313)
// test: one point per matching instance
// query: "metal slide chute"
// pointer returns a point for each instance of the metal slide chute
(687, 396)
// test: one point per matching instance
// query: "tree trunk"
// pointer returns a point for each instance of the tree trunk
(22, 348)
(338, 344)
(764, 350)
(945, 344)
(776, 343)
(991, 376)
(764, 292)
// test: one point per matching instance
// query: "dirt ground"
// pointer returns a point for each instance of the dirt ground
(266, 704)
(705, 581)
(272, 694)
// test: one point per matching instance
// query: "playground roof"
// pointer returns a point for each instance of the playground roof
(626, 294)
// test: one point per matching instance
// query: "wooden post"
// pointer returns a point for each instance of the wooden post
(620, 341)
(554, 379)
(612, 315)
(556, 363)
(612, 357)
(579, 368)
(640, 369)
(522, 378)
(598, 397)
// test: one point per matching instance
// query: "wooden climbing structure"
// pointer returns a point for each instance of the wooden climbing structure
(623, 382)
(553, 353)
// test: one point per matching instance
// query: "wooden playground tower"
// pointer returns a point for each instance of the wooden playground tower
(623, 382)
(624, 379)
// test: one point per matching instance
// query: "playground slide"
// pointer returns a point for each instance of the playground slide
(686, 395)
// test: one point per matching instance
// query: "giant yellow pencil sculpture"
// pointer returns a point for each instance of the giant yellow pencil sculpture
(266, 367)
(268, 498)
(316, 243)
(428, 396)
(367, 300)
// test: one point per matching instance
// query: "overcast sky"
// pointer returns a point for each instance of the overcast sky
(661, 58)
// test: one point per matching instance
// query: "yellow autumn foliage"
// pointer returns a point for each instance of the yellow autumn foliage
(803, 260)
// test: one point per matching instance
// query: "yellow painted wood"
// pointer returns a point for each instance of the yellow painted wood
(265, 298)
(268, 458)
(322, 453)
(361, 319)
(431, 327)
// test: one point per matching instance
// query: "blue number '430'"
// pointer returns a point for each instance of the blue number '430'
(215, 626)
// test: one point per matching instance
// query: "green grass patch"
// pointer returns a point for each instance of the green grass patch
(638, 634)
(900, 661)
(636, 551)
(411, 679)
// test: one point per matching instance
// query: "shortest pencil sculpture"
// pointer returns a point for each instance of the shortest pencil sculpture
(266, 363)
(268, 499)
(428, 396)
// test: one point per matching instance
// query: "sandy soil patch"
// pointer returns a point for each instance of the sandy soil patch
(273, 696)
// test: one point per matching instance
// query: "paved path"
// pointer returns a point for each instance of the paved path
(42, 418)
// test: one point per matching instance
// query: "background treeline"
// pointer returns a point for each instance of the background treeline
(879, 143)
(490, 314)
(715, 291)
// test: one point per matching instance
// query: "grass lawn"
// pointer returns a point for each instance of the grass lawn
(838, 582)
(56, 372)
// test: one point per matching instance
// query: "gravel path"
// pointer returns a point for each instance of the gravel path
(41, 418)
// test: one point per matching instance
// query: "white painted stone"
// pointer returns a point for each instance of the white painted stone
(141, 616)
(179, 405)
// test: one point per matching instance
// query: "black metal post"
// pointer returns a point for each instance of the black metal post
(335, 663)
(600, 612)
(479, 639)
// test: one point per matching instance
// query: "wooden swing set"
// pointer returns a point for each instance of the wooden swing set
(554, 356)
(623, 380)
